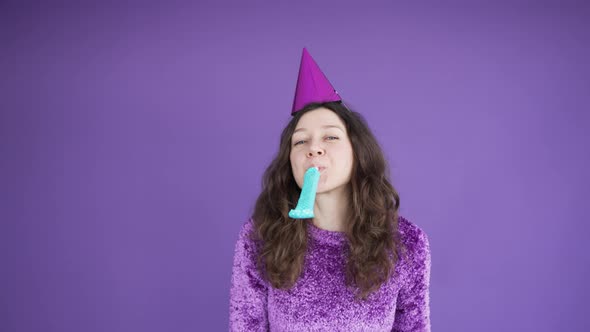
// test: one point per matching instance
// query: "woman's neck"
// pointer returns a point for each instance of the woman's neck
(331, 210)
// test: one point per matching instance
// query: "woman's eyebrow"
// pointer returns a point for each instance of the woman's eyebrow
(323, 127)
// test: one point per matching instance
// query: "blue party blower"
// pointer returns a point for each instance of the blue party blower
(306, 201)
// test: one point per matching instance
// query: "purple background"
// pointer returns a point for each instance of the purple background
(133, 140)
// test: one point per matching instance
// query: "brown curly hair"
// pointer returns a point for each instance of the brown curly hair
(371, 229)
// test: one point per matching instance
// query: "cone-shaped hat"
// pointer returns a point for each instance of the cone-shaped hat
(312, 85)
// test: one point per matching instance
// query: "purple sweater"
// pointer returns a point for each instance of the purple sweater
(320, 301)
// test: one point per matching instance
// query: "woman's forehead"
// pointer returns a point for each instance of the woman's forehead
(319, 119)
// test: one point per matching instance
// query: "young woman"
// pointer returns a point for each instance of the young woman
(356, 265)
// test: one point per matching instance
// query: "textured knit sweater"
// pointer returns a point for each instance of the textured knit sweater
(320, 299)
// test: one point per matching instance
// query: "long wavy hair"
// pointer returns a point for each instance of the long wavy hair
(371, 229)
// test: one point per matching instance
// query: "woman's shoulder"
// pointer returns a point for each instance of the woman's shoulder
(246, 229)
(247, 225)
(246, 243)
(412, 236)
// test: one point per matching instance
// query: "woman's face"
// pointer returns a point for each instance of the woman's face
(320, 139)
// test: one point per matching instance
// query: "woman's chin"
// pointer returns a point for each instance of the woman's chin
(322, 189)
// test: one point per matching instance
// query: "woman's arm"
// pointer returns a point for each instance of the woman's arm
(248, 292)
(413, 302)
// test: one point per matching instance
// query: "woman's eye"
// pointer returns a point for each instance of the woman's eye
(330, 138)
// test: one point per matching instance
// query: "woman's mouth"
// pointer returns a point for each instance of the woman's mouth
(320, 168)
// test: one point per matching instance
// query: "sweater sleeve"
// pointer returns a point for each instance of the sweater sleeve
(413, 307)
(248, 291)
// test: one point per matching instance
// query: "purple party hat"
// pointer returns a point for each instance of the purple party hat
(312, 85)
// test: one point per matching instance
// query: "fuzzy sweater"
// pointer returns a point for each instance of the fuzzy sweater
(320, 299)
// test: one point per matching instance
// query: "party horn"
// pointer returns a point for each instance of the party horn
(304, 207)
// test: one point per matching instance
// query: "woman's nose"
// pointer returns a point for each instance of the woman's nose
(315, 151)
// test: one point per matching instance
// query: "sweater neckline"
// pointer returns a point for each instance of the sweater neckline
(324, 236)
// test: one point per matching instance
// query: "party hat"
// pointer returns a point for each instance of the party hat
(312, 85)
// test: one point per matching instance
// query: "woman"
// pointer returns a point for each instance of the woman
(356, 265)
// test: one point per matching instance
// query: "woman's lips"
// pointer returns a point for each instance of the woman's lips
(320, 168)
